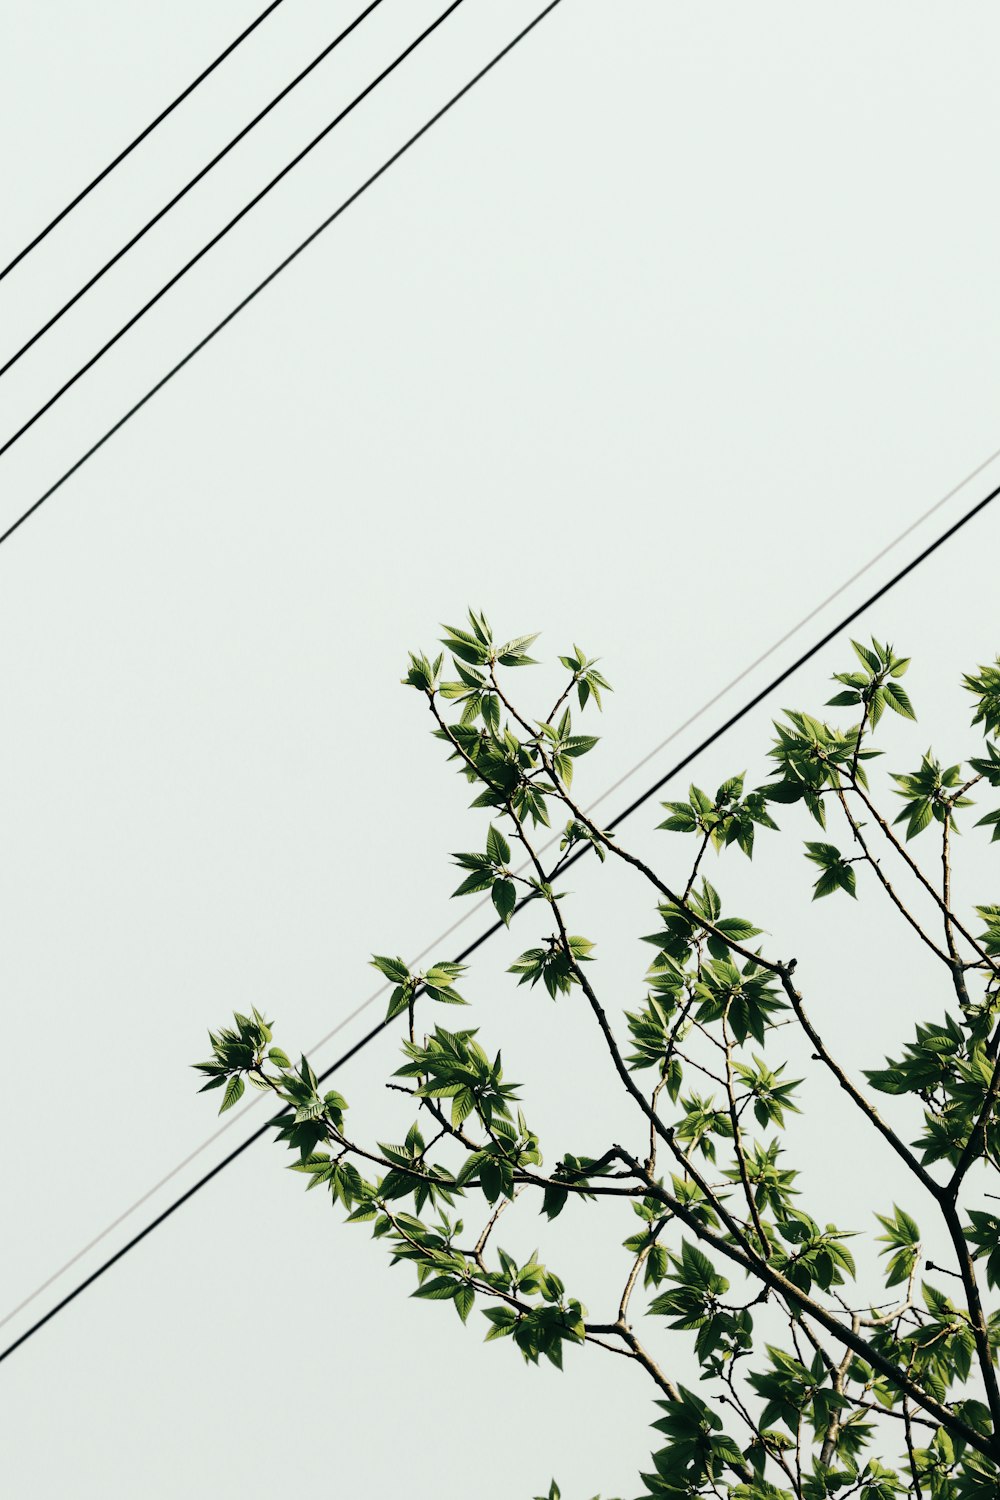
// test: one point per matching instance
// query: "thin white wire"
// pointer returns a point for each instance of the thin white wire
(470, 912)
(674, 734)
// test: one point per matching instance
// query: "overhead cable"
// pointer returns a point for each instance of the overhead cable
(184, 94)
(237, 218)
(198, 176)
(273, 275)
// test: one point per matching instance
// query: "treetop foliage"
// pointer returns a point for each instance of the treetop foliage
(814, 1380)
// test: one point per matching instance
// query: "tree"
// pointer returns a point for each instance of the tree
(809, 1387)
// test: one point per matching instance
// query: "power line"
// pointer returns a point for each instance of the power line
(237, 1117)
(800, 661)
(816, 610)
(498, 925)
(184, 94)
(161, 213)
(288, 167)
(272, 275)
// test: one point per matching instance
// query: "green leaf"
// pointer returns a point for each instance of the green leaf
(897, 699)
(866, 657)
(986, 689)
(497, 847)
(837, 874)
(511, 653)
(234, 1092)
(479, 880)
(579, 744)
(505, 899)
(393, 968)
(438, 1289)
(991, 818)
(503, 1320)
(465, 1299)
(470, 648)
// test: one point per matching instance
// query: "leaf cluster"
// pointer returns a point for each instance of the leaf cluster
(875, 688)
(929, 793)
(727, 818)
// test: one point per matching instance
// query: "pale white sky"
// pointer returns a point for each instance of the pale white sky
(669, 326)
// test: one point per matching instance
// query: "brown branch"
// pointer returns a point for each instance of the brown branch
(733, 1400)
(977, 1317)
(649, 1364)
(480, 1245)
(917, 1491)
(957, 970)
(803, 1302)
(672, 1046)
(562, 698)
(697, 862)
(867, 1109)
(832, 1433)
(908, 859)
(741, 1161)
(637, 1265)
(857, 744)
(530, 730)
(884, 879)
(977, 1135)
(653, 1103)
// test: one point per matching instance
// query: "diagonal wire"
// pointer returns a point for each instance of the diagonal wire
(759, 660)
(496, 926)
(188, 265)
(139, 139)
(198, 176)
(272, 275)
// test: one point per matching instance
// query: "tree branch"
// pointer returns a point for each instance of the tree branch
(791, 1294)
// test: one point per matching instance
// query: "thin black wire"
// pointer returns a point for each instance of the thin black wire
(496, 926)
(288, 167)
(139, 139)
(807, 655)
(330, 47)
(303, 245)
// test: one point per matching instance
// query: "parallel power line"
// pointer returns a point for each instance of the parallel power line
(198, 176)
(272, 275)
(299, 156)
(184, 94)
(497, 926)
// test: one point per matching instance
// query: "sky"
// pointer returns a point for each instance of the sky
(677, 320)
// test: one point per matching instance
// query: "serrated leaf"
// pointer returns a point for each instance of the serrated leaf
(465, 1299)
(899, 700)
(234, 1092)
(504, 899)
(438, 1289)
(393, 968)
(497, 847)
